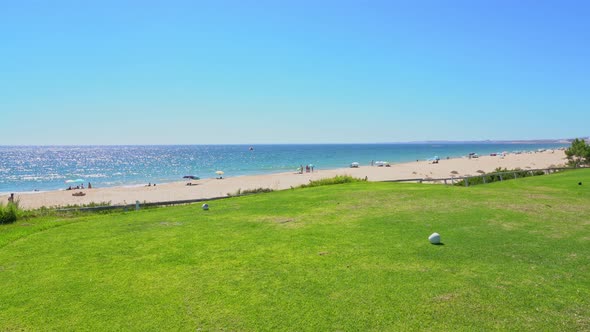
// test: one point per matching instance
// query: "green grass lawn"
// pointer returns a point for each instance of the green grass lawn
(351, 257)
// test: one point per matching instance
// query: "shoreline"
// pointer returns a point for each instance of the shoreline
(211, 187)
(33, 169)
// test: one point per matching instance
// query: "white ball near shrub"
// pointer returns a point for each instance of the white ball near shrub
(434, 238)
(205, 206)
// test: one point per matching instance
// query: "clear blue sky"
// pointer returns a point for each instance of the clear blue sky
(191, 72)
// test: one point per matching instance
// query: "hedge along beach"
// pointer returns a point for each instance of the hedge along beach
(212, 187)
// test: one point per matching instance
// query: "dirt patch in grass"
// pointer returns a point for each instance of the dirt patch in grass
(354, 207)
(445, 297)
(505, 224)
(284, 221)
(526, 208)
(540, 196)
(166, 223)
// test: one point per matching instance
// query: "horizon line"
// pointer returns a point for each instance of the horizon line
(507, 141)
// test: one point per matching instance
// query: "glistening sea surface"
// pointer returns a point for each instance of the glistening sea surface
(42, 168)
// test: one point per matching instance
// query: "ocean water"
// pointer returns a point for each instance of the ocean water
(42, 168)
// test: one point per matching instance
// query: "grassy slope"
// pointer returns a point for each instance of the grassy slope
(347, 257)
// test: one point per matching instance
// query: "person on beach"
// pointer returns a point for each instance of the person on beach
(11, 198)
(89, 185)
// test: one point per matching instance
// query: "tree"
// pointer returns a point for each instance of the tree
(578, 153)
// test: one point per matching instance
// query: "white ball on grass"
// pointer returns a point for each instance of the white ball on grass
(205, 206)
(434, 238)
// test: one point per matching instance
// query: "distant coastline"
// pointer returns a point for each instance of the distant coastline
(535, 141)
(453, 142)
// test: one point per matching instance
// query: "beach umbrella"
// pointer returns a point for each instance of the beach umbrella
(192, 177)
(219, 172)
(436, 158)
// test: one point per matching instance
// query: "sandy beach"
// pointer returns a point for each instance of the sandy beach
(208, 188)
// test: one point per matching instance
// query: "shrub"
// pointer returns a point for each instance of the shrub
(256, 191)
(241, 192)
(91, 204)
(578, 153)
(339, 179)
(9, 213)
(507, 174)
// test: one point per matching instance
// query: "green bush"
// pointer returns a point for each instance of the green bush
(578, 153)
(241, 192)
(9, 213)
(339, 179)
(507, 174)
(256, 191)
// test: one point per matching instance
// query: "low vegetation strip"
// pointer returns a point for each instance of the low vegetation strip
(347, 257)
(500, 174)
(339, 179)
